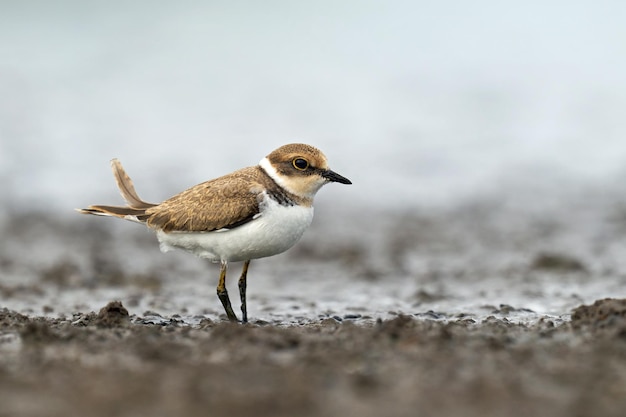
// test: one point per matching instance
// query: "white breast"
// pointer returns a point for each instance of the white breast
(276, 229)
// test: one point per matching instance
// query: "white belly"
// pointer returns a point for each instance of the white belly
(277, 229)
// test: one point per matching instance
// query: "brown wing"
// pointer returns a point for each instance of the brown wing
(224, 202)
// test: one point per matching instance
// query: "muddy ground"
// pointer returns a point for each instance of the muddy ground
(110, 364)
(478, 311)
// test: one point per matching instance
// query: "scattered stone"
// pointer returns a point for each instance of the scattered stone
(113, 314)
(329, 322)
(430, 314)
(10, 318)
(84, 319)
(605, 313)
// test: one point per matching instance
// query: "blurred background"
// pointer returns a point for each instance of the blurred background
(417, 102)
(486, 141)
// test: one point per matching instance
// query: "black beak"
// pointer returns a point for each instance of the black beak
(334, 177)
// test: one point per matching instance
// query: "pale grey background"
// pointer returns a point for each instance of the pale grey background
(417, 102)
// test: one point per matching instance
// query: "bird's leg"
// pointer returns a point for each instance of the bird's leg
(222, 293)
(242, 291)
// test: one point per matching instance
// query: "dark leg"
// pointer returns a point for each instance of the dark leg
(242, 291)
(222, 293)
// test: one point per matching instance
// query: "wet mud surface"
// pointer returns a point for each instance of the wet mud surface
(483, 310)
(110, 363)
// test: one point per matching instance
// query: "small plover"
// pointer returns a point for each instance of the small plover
(252, 213)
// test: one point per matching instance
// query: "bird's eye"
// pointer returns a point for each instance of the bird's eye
(300, 164)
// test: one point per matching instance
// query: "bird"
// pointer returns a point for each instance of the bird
(251, 213)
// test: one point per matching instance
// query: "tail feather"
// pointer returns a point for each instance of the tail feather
(136, 209)
(127, 189)
(127, 213)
